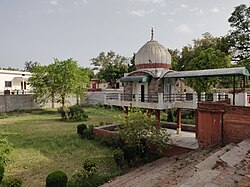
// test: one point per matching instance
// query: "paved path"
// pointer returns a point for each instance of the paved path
(162, 172)
(199, 168)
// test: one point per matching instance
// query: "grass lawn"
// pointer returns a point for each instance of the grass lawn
(43, 143)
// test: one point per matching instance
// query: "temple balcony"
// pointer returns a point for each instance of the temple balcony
(167, 101)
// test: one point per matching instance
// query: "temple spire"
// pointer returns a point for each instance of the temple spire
(152, 33)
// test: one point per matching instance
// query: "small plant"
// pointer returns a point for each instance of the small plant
(1, 172)
(5, 148)
(3, 115)
(12, 182)
(170, 117)
(80, 128)
(118, 155)
(90, 166)
(77, 113)
(56, 179)
(64, 113)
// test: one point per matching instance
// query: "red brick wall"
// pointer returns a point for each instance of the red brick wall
(221, 123)
(236, 124)
(209, 125)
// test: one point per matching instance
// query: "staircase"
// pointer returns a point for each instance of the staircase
(198, 168)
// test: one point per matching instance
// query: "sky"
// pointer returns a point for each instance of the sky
(41, 30)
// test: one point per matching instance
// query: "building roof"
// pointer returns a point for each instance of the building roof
(152, 55)
(208, 73)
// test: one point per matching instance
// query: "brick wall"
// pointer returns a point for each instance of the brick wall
(236, 124)
(220, 122)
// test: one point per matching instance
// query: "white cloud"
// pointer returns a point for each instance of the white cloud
(183, 29)
(184, 6)
(214, 10)
(149, 1)
(54, 2)
(170, 20)
(141, 13)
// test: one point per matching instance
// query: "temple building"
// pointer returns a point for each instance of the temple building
(154, 86)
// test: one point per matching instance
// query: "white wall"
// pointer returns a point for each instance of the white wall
(16, 77)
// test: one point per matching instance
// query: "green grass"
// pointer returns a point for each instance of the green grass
(43, 143)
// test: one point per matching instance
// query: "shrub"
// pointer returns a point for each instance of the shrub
(5, 148)
(88, 133)
(64, 114)
(3, 115)
(77, 113)
(1, 172)
(130, 154)
(12, 182)
(118, 155)
(56, 179)
(90, 166)
(170, 116)
(81, 128)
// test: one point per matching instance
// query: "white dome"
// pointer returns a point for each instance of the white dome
(152, 55)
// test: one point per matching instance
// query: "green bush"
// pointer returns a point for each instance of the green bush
(1, 172)
(56, 179)
(77, 113)
(90, 166)
(118, 155)
(130, 154)
(3, 115)
(12, 182)
(81, 128)
(170, 116)
(64, 114)
(5, 148)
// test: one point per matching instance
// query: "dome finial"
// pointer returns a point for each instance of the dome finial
(152, 33)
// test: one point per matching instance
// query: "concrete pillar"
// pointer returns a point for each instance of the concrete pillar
(105, 98)
(178, 130)
(195, 99)
(222, 96)
(137, 99)
(203, 96)
(243, 99)
(160, 100)
(215, 97)
(119, 99)
(157, 119)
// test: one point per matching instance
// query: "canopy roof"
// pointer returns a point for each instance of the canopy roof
(140, 79)
(208, 73)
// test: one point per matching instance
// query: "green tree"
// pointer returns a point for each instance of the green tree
(239, 37)
(207, 59)
(131, 66)
(30, 66)
(58, 80)
(110, 66)
(206, 53)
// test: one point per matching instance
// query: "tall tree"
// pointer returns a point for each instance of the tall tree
(239, 37)
(131, 65)
(206, 53)
(110, 66)
(58, 80)
(30, 65)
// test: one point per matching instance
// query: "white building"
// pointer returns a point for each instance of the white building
(14, 82)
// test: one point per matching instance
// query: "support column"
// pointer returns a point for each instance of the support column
(149, 113)
(157, 119)
(178, 130)
(126, 113)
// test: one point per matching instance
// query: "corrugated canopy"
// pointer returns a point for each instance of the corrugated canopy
(135, 79)
(208, 73)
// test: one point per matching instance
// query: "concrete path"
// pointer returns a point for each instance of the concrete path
(199, 168)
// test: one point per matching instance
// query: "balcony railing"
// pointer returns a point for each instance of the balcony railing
(164, 101)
